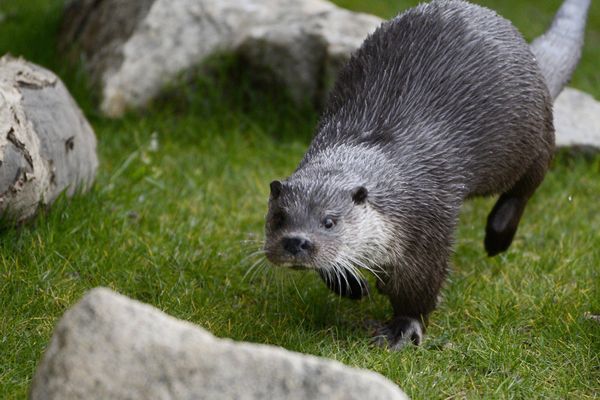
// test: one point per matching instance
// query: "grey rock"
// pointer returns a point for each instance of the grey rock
(306, 53)
(133, 48)
(46, 145)
(110, 347)
(577, 120)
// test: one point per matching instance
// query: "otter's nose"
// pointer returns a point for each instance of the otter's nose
(295, 245)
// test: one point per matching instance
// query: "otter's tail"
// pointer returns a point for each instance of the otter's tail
(558, 50)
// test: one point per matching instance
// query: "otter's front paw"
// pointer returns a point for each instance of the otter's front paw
(346, 284)
(398, 333)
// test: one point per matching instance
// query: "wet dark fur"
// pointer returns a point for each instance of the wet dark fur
(451, 100)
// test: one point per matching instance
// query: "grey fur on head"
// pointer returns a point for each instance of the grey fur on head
(442, 103)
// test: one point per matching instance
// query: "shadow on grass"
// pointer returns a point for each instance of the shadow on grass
(226, 89)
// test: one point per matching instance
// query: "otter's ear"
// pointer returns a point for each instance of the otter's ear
(276, 189)
(359, 194)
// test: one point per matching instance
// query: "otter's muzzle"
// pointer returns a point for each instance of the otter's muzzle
(297, 246)
(293, 249)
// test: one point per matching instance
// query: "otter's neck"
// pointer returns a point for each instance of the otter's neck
(359, 162)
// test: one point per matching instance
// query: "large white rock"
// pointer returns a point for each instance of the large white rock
(577, 120)
(133, 48)
(46, 144)
(110, 347)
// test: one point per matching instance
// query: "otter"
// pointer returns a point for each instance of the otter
(442, 103)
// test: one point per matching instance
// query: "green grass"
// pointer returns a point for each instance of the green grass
(172, 227)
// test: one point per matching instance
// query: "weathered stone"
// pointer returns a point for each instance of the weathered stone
(133, 48)
(577, 120)
(46, 144)
(306, 53)
(110, 347)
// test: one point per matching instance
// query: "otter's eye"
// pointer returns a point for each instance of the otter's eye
(328, 223)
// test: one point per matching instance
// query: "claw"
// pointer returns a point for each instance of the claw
(398, 333)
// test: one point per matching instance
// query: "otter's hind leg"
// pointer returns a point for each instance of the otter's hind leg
(504, 218)
(346, 284)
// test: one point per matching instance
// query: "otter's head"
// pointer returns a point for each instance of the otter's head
(322, 223)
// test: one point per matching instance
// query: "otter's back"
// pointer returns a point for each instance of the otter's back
(446, 78)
